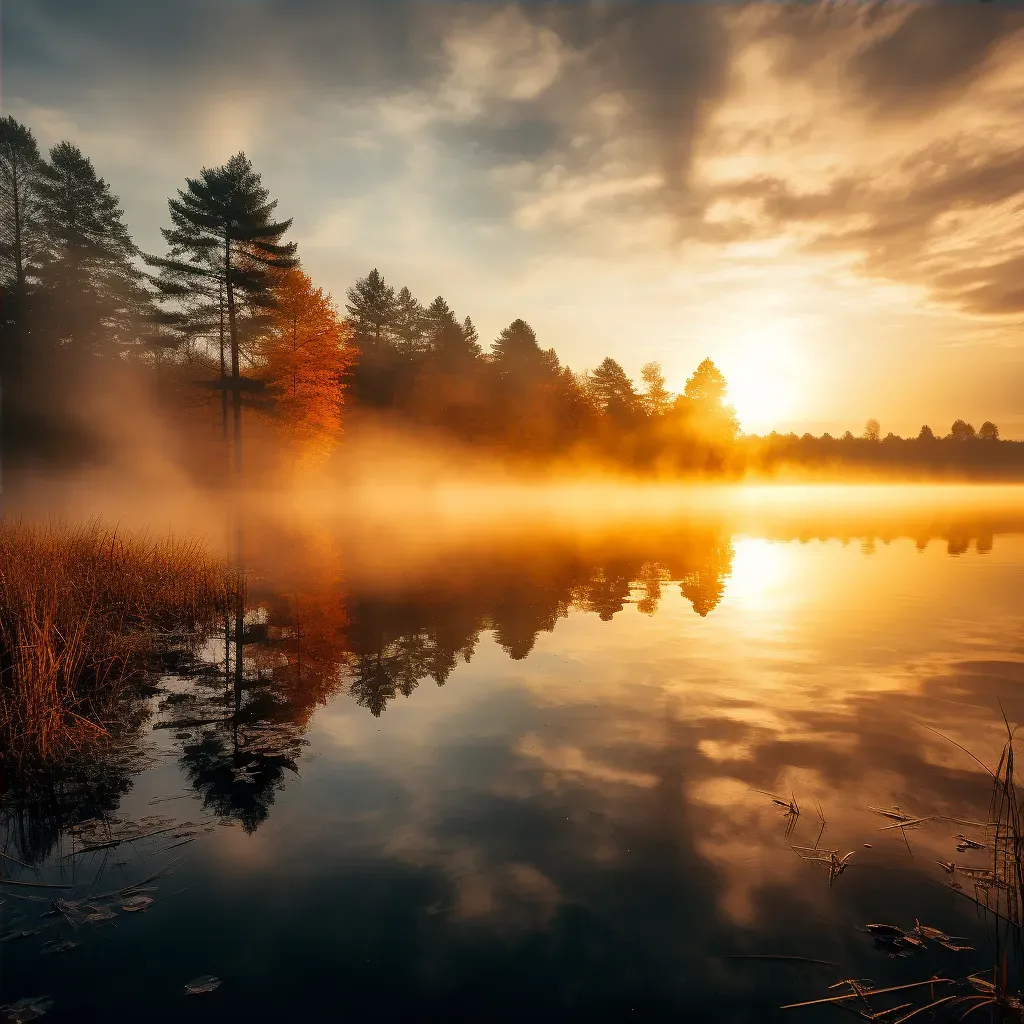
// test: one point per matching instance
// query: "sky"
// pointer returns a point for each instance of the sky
(826, 200)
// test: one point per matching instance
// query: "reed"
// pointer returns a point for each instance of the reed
(82, 608)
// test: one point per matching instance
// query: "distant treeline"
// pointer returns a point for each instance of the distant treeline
(226, 326)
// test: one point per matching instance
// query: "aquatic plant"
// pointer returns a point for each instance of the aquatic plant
(82, 607)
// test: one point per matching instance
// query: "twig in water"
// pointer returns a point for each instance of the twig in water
(872, 992)
(37, 885)
(778, 956)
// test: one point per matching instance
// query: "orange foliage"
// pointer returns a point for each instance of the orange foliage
(303, 362)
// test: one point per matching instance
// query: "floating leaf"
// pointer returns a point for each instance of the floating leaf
(201, 985)
(98, 914)
(136, 903)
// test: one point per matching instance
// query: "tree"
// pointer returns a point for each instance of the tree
(656, 398)
(962, 431)
(872, 430)
(848, 436)
(926, 434)
(988, 431)
(706, 385)
(407, 321)
(613, 391)
(304, 358)
(703, 403)
(20, 226)
(372, 310)
(451, 347)
(20, 239)
(223, 233)
(517, 356)
(94, 296)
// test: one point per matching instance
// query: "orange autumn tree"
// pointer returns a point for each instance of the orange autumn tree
(303, 361)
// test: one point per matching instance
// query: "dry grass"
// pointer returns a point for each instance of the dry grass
(81, 609)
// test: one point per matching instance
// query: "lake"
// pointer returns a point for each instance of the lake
(549, 771)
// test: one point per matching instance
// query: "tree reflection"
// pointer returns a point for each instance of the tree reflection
(240, 714)
(705, 585)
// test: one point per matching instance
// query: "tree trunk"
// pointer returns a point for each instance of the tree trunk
(236, 394)
(223, 367)
(19, 259)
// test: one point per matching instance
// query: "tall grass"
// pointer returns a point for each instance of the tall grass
(81, 609)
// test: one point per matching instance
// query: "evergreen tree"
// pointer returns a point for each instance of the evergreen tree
(372, 310)
(95, 302)
(20, 227)
(20, 238)
(450, 346)
(470, 333)
(517, 355)
(703, 402)
(926, 434)
(706, 386)
(223, 234)
(613, 391)
(408, 323)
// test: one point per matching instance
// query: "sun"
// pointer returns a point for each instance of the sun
(764, 373)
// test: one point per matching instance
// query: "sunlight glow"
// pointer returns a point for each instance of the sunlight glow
(764, 372)
(760, 569)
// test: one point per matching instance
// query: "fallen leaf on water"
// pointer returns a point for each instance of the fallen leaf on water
(201, 985)
(136, 903)
(98, 914)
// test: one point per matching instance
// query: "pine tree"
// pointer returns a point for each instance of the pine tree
(706, 385)
(372, 310)
(20, 237)
(450, 347)
(703, 400)
(20, 227)
(95, 302)
(408, 322)
(613, 391)
(517, 355)
(223, 235)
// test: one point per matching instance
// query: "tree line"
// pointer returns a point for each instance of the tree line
(227, 323)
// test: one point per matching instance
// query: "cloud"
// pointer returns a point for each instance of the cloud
(647, 157)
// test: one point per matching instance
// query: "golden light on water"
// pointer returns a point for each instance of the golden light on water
(760, 569)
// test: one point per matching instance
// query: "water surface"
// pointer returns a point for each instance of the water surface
(537, 779)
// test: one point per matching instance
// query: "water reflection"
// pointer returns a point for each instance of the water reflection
(574, 792)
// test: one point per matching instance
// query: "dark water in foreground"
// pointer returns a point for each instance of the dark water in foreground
(535, 785)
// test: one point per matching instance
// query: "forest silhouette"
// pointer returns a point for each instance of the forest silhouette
(225, 328)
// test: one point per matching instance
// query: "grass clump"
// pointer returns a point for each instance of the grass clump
(82, 608)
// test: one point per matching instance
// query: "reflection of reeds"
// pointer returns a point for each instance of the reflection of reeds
(80, 608)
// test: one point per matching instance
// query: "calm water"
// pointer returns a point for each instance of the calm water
(536, 780)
